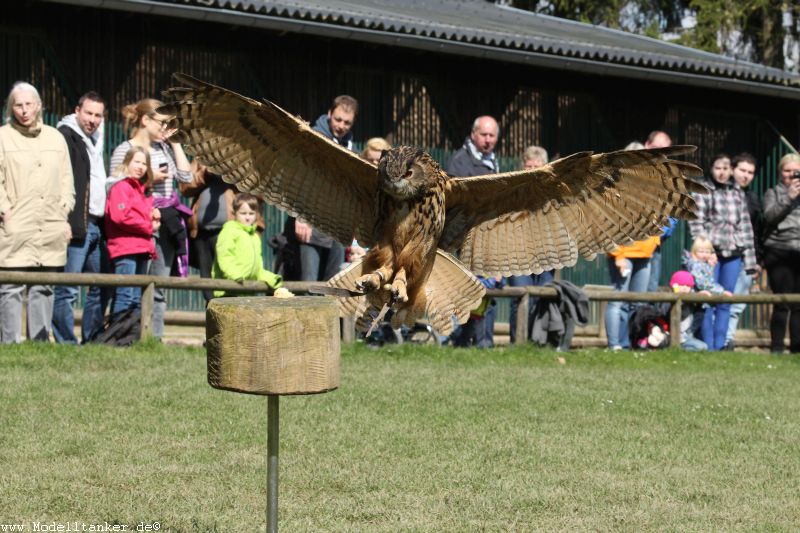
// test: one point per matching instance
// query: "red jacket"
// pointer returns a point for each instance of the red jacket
(128, 221)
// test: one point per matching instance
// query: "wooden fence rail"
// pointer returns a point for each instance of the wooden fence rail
(149, 283)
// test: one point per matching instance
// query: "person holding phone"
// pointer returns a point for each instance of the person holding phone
(782, 251)
(169, 163)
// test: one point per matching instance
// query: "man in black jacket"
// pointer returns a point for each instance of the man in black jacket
(320, 255)
(83, 131)
(477, 158)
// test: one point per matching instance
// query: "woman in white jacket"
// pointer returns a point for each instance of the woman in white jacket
(36, 195)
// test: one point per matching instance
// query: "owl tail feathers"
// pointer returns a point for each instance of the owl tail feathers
(451, 292)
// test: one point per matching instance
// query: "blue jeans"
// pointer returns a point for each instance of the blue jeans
(655, 270)
(129, 297)
(87, 255)
(617, 313)
(716, 318)
(692, 344)
(743, 284)
(484, 328)
(524, 281)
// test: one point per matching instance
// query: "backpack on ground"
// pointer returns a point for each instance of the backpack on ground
(121, 329)
(648, 327)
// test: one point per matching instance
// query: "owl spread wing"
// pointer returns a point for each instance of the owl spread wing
(266, 151)
(536, 220)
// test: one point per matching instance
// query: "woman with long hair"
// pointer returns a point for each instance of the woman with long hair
(148, 129)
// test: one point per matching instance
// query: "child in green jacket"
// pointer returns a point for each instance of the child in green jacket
(239, 247)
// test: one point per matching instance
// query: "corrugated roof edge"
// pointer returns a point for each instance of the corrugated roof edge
(686, 58)
(786, 85)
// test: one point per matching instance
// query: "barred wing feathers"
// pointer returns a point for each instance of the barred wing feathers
(536, 220)
(264, 150)
(451, 290)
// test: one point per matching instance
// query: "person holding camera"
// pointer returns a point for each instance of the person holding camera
(169, 163)
(782, 251)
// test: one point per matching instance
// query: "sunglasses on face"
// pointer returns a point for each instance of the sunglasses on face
(162, 123)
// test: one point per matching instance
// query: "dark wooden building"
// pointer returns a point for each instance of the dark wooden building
(422, 70)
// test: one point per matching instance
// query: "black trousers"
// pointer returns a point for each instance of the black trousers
(783, 272)
(204, 247)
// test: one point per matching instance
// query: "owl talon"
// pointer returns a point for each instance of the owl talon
(399, 293)
(368, 283)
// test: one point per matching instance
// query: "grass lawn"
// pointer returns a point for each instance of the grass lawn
(416, 439)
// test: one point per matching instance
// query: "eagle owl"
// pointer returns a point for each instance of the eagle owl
(411, 214)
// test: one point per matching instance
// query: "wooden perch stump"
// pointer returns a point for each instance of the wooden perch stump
(266, 345)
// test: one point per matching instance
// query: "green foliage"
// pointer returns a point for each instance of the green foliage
(652, 15)
(712, 17)
(415, 439)
(759, 21)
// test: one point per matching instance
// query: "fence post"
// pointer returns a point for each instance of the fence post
(146, 324)
(675, 324)
(601, 320)
(348, 329)
(521, 327)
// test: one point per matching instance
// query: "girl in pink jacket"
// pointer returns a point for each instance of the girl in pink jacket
(130, 221)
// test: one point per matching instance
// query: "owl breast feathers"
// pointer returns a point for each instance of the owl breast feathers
(412, 216)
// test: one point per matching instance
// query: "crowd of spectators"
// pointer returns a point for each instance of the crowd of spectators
(731, 238)
(61, 210)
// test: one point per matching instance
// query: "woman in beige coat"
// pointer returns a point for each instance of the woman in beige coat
(36, 195)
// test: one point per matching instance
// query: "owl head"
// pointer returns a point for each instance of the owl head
(405, 172)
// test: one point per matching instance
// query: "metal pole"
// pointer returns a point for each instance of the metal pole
(272, 463)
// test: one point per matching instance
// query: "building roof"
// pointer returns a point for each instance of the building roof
(481, 28)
